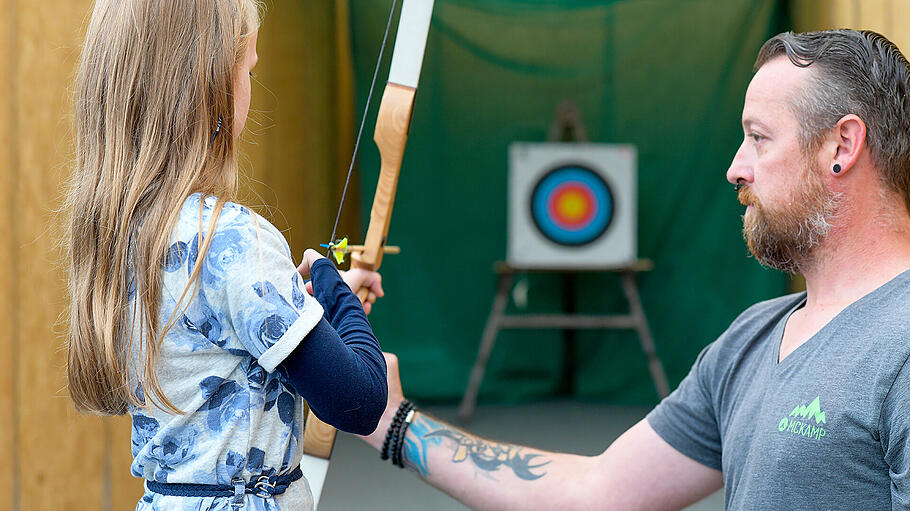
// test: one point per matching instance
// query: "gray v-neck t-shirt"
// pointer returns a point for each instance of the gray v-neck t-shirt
(826, 428)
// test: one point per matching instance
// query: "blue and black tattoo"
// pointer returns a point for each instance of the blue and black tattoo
(485, 455)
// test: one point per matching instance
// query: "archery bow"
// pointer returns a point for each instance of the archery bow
(391, 135)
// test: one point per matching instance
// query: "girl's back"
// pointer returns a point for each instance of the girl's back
(247, 311)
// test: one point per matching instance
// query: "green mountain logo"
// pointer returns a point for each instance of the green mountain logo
(813, 410)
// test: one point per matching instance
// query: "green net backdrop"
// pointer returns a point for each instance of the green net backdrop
(668, 76)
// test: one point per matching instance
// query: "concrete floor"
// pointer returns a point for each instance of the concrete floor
(358, 479)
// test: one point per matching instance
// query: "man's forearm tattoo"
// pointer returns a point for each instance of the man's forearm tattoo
(485, 455)
(415, 448)
(489, 456)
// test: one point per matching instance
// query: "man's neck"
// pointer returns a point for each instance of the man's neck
(856, 258)
(868, 245)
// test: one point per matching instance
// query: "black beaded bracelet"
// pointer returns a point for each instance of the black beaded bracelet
(385, 444)
(402, 433)
(395, 447)
(398, 440)
(391, 437)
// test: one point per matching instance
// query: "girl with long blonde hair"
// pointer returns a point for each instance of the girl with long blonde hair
(187, 311)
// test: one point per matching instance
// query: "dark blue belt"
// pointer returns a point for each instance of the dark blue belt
(262, 486)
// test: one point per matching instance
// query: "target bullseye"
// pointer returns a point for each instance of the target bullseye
(572, 205)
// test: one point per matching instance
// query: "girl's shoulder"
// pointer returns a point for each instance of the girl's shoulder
(198, 209)
(236, 225)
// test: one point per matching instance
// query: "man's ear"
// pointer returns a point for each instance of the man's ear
(850, 139)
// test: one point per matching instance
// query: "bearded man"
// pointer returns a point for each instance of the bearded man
(804, 402)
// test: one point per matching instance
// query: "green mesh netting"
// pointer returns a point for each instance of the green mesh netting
(666, 75)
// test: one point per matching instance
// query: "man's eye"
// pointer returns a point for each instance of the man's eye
(756, 137)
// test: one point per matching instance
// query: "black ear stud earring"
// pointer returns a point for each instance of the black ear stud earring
(836, 168)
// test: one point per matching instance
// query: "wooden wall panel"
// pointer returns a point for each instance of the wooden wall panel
(841, 13)
(876, 15)
(343, 108)
(900, 24)
(298, 141)
(804, 14)
(888, 17)
(125, 490)
(55, 457)
(823, 14)
(60, 451)
(7, 262)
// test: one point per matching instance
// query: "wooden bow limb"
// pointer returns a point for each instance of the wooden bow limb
(391, 136)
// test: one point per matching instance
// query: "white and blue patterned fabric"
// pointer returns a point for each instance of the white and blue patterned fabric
(247, 311)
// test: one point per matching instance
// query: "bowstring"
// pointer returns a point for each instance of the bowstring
(363, 120)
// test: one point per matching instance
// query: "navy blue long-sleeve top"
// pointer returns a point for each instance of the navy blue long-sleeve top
(338, 367)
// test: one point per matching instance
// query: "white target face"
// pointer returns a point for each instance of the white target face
(572, 205)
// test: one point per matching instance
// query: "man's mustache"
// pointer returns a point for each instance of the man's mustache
(746, 196)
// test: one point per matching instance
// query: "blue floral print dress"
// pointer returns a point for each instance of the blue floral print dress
(247, 311)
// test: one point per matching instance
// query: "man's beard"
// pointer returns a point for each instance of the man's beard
(786, 239)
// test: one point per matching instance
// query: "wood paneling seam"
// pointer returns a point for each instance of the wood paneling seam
(13, 204)
(107, 468)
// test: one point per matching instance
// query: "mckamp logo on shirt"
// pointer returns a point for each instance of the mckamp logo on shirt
(805, 421)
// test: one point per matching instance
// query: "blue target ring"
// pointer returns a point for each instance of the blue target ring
(572, 205)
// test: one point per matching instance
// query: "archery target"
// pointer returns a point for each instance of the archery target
(572, 205)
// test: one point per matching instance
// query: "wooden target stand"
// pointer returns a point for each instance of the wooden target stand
(498, 320)
(567, 126)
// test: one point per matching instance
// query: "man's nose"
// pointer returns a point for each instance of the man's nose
(740, 168)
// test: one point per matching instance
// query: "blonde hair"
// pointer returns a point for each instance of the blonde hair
(154, 79)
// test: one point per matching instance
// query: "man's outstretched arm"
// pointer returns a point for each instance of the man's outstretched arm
(638, 471)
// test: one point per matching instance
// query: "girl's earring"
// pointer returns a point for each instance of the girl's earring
(217, 130)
